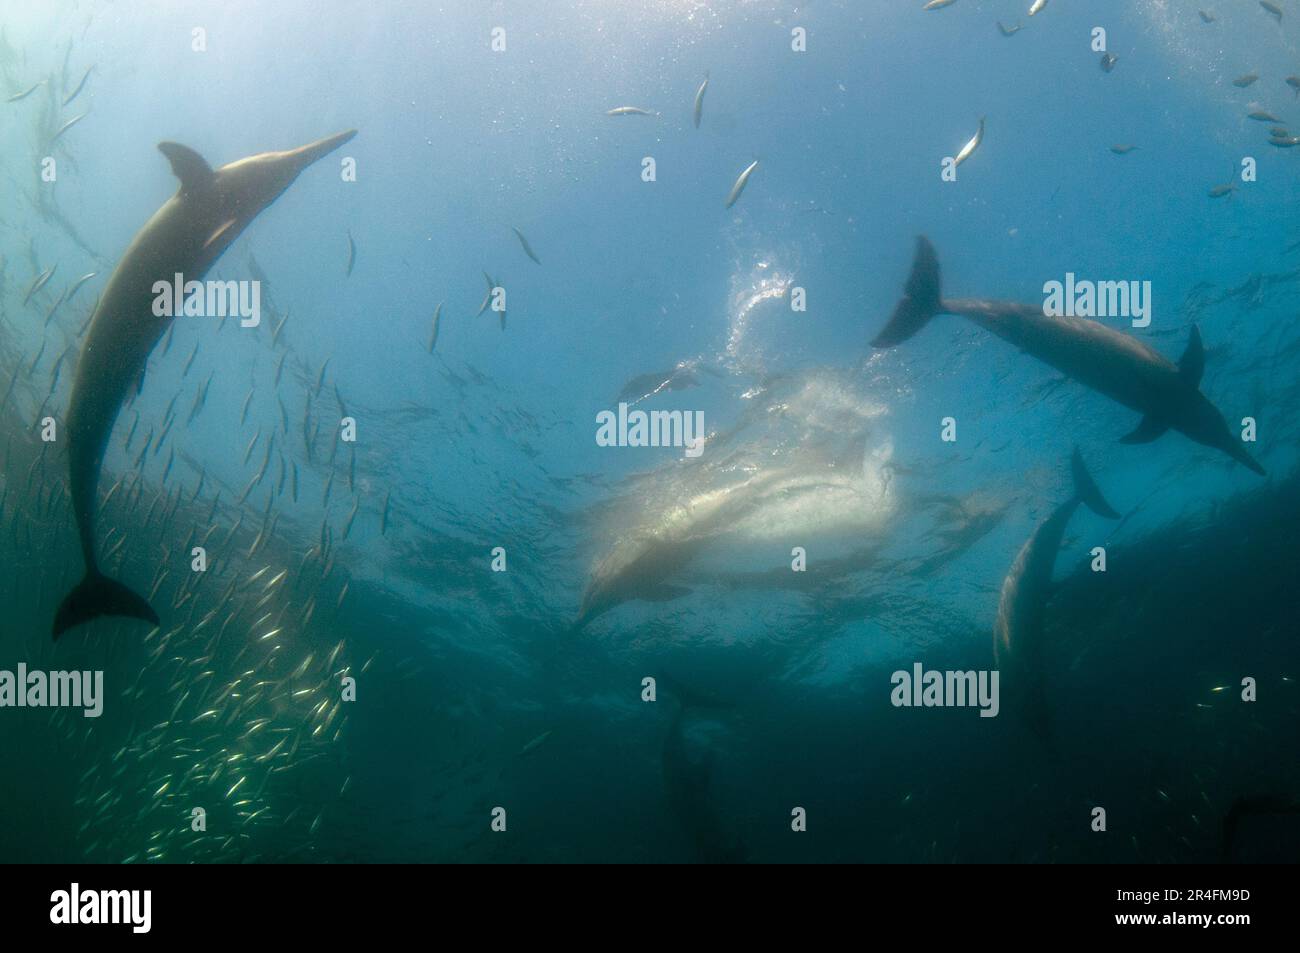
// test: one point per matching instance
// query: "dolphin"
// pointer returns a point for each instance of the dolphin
(687, 784)
(1265, 805)
(641, 563)
(1118, 365)
(648, 385)
(1018, 632)
(187, 235)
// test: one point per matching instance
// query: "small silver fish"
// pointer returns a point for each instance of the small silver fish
(535, 743)
(487, 299)
(739, 187)
(433, 334)
(76, 285)
(76, 92)
(41, 280)
(528, 249)
(968, 150)
(65, 127)
(25, 93)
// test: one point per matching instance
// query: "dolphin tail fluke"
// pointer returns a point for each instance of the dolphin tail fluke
(1086, 490)
(920, 302)
(97, 595)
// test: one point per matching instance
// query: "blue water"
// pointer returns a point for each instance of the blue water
(479, 689)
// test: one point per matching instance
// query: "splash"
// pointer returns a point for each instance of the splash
(763, 283)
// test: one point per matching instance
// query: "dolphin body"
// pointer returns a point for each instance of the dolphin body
(187, 235)
(687, 784)
(640, 564)
(1117, 365)
(1018, 632)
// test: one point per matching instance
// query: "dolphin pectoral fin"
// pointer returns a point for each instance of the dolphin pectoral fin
(97, 595)
(1149, 429)
(188, 166)
(1086, 489)
(216, 236)
(1192, 364)
(665, 593)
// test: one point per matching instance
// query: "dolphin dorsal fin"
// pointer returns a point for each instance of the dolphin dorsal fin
(188, 166)
(1192, 364)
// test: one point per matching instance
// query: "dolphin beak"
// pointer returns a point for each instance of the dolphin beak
(1245, 459)
(306, 155)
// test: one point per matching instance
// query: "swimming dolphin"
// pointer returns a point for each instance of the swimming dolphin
(1018, 632)
(1116, 364)
(639, 565)
(648, 385)
(1265, 805)
(687, 784)
(186, 236)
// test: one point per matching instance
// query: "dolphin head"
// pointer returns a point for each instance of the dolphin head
(255, 182)
(1234, 449)
(601, 594)
(1205, 424)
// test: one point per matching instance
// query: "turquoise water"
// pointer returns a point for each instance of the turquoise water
(377, 559)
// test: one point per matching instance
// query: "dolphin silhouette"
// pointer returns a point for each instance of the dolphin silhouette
(687, 790)
(186, 236)
(1118, 365)
(1018, 632)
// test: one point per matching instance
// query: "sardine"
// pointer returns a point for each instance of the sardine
(739, 187)
(528, 249)
(73, 95)
(969, 149)
(433, 334)
(699, 100)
